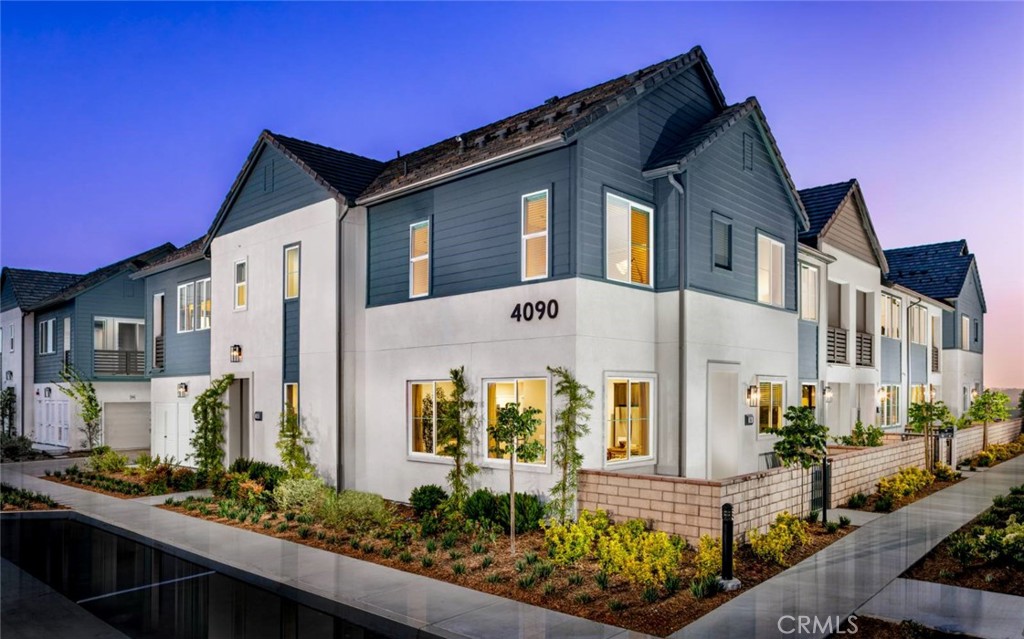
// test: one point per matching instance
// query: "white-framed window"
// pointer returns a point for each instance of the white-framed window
(721, 241)
(419, 259)
(528, 393)
(629, 404)
(241, 285)
(536, 212)
(965, 332)
(771, 271)
(158, 330)
(629, 229)
(918, 324)
(291, 272)
(889, 405)
(46, 336)
(427, 400)
(918, 394)
(771, 400)
(186, 307)
(10, 336)
(808, 292)
(204, 304)
(891, 313)
(291, 398)
(977, 331)
(67, 334)
(118, 334)
(809, 395)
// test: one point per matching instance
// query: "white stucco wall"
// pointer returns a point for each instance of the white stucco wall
(171, 421)
(105, 392)
(960, 369)
(12, 363)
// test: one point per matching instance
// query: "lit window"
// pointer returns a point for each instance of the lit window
(809, 395)
(186, 307)
(419, 259)
(535, 235)
(629, 241)
(770, 406)
(291, 398)
(771, 271)
(204, 305)
(629, 419)
(10, 334)
(965, 330)
(528, 393)
(291, 272)
(917, 394)
(889, 405)
(241, 285)
(891, 316)
(427, 401)
(721, 239)
(808, 293)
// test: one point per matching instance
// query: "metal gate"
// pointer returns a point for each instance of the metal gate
(817, 488)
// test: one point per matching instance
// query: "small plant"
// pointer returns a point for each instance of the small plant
(844, 521)
(602, 580)
(520, 565)
(486, 562)
(427, 561)
(290, 515)
(584, 598)
(169, 501)
(616, 605)
(449, 539)
(282, 527)
(267, 524)
(57, 474)
(963, 548)
(543, 570)
(947, 574)
(387, 551)
(904, 483)
(405, 556)
(530, 557)
(320, 534)
(47, 472)
(526, 581)
(549, 589)
(650, 594)
(858, 500)
(575, 579)
(304, 518)
(708, 562)
(944, 472)
(493, 578)
(831, 527)
(354, 543)
(427, 498)
(812, 517)
(704, 587)
(863, 436)
(883, 504)
(303, 531)
(478, 547)
(672, 584)
(459, 568)
(454, 555)
(431, 545)
(787, 532)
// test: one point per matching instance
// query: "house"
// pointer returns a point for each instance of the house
(21, 289)
(96, 325)
(179, 314)
(948, 271)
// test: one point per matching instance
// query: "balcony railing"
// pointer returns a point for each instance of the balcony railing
(935, 359)
(835, 345)
(118, 362)
(865, 349)
(158, 353)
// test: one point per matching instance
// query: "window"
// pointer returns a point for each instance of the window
(67, 334)
(525, 392)
(241, 285)
(918, 324)
(186, 307)
(118, 334)
(721, 238)
(889, 405)
(917, 394)
(426, 401)
(204, 305)
(46, 336)
(419, 259)
(158, 331)
(629, 419)
(808, 293)
(809, 395)
(771, 398)
(291, 272)
(748, 152)
(10, 336)
(977, 331)
(891, 316)
(291, 398)
(629, 240)
(535, 236)
(965, 330)
(771, 271)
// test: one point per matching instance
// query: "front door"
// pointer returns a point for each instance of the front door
(724, 428)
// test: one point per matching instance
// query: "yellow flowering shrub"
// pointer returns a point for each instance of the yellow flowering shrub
(787, 532)
(572, 541)
(642, 556)
(944, 472)
(906, 482)
(708, 561)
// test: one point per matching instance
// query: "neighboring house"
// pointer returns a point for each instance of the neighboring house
(20, 289)
(948, 271)
(96, 325)
(179, 314)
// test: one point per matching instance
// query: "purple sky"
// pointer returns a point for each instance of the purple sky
(123, 125)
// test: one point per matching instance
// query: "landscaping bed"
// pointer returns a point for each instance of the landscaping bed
(995, 454)
(906, 629)
(987, 553)
(904, 488)
(19, 499)
(108, 472)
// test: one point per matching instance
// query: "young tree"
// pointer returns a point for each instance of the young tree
(803, 441)
(291, 444)
(512, 432)
(990, 406)
(1020, 408)
(89, 408)
(570, 425)
(922, 419)
(208, 439)
(456, 419)
(8, 410)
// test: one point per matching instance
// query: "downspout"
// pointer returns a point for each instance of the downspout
(21, 371)
(342, 208)
(910, 359)
(677, 185)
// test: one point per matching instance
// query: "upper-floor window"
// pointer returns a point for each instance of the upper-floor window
(186, 307)
(10, 336)
(528, 393)
(721, 240)
(771, 271)
(918, 325)
(241, 284)
(965, 332)
(891, 316)
(119, 334)
(977, 331)
(535, 235)
(808, 293)
(291, 398)
(291, 272)
(630, 426)
(419, 259)
(770, 405)
(46, 337)
(629, 229)
(427, 402)
(204, 304)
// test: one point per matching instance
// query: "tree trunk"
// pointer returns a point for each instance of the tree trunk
(512, 497)
(984, 435)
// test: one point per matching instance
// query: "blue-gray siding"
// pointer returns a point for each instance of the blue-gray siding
(892, 366)
(275, 186)
(950, 328)
(754, 201)
(7, 297)
(918, 364)
(47, 367)
(291, 341)
(808, 350)
(184, 353)
(475, 230)
(969, 303)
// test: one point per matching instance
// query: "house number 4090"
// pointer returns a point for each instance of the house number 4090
(541, 309)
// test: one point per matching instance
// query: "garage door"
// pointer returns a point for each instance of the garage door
(126, 424)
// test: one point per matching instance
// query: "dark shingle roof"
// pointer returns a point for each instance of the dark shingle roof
(32, 286)
(556, 118)
(821, 203)
(937, 270)
(346, 173)
(104, 273)
(188, 253)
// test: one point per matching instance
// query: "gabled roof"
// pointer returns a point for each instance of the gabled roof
(557, 120)
(191, 252)
(937, 270)
(31, 286)
(705, 135)
(344, 175)
(103, 274)
(823, 204)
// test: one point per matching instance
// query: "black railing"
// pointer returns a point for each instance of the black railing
(865, 349)
(158, 353)
(118, 362)
(835, 345)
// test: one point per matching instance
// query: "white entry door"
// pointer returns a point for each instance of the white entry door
(53, 423)
(724, 428)
(172, 430)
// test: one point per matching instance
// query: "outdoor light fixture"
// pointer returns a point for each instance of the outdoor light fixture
(828, 394)
(931, 394)
(47, 391)
(753, 396)
(882, 394)
(9, 375)
(236, 353)
(182, 389)
(974, 394)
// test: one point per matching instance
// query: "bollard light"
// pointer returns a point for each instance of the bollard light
(727, 581)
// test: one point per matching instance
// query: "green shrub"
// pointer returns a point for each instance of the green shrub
(812, 517)
(486, 562)
(575, 579)
(831, 527)
(478, 548)
(857, 501)
(526, 581)
(303, 531)
(431, 545)
(906, 482)
(543, 570)
(529, 512)
(549, 589)
(405, 556)
(642, 556)
(673, 583)
(883, 504)
(650, 594)
(459, 568)
(106, 460)
(269, 475)
(430, 525)
(870, 435)
(703, 587)
(493, 578)
(355, 510)
(480, 506)
(944, 472)
(300, 494)
(454, 555)
(708, 561)
(427, 498)
(963, 548)
(449, 539)
(427, 561)
(787, 532)
(584, 598)
(282, 527)
(616, 605)
(602, 579)
(844, 521)
(567, 543)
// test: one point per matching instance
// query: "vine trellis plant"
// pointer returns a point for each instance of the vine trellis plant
(571, 423)
(208, 439)
(456, 419)
(292, 443)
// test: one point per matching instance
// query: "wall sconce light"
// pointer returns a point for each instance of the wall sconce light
(753, 396)
(828, 394)
(236, 353)
(882, 395)
(47, 391)
(182, 389)
(9, 375)
(974, 394)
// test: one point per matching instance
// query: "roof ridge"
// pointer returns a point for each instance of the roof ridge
(849, 183)
(281, 136)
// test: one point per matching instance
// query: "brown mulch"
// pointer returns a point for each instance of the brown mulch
(935, 487)
(660, 618)
(881, 629)
(65, 479)
(10, 508)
